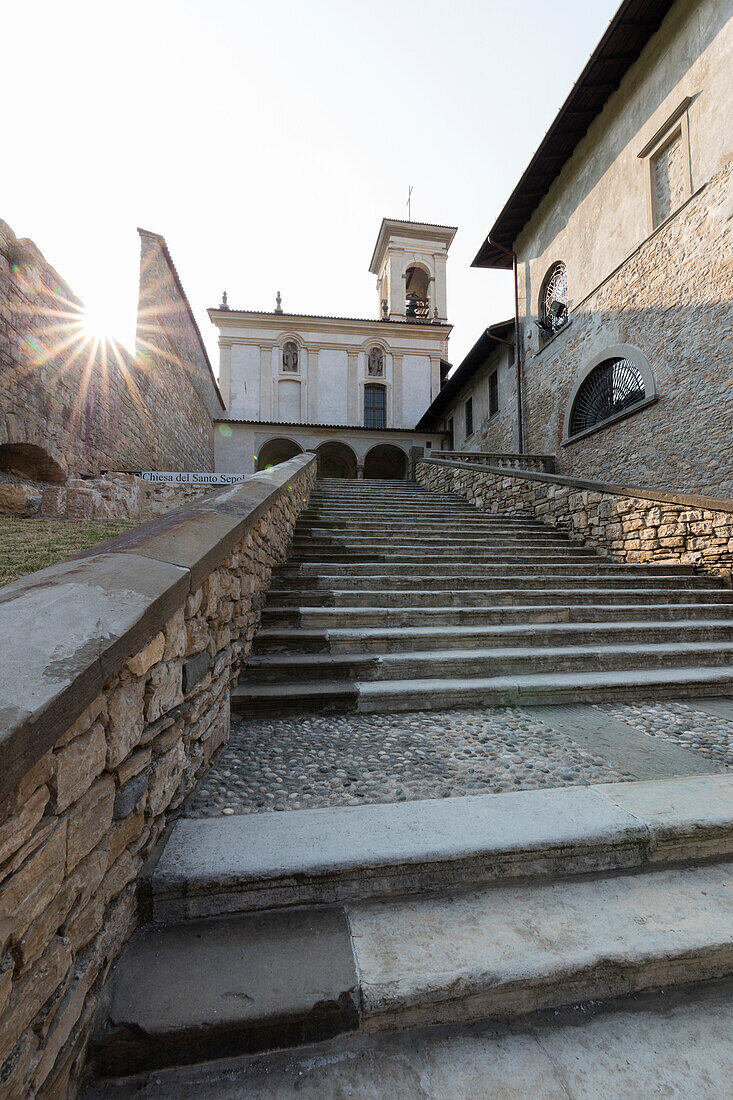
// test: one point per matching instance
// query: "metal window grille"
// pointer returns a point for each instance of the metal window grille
(469, 417)
(493, 393)
(374, 406)
(613, 387)
(554, 303)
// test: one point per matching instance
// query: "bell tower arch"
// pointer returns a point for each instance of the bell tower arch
(409, 261)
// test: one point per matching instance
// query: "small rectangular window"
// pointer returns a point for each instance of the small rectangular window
(374, 406)
(493, 393)
(469, 417)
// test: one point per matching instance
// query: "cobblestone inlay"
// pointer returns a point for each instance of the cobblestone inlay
(302, 763)
(681, 724)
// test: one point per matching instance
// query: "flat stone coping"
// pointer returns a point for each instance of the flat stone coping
(361, 851)
(690, 500)
(68, 629)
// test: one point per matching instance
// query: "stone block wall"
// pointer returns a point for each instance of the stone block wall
(114, 690)
(622, 523)
(672, 299)
(116, 496)
(92, 406)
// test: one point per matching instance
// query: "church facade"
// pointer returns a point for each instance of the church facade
(350, 389)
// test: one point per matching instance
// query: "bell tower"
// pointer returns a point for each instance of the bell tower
(409, 261)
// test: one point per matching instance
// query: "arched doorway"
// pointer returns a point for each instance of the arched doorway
(386, 461)
(336, 460)
(28, 461)
(276, 451)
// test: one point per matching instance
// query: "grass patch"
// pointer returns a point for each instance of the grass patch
(30, 544)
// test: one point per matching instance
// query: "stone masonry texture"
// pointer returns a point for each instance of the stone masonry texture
(92, 406)
(672, 299)
(77, 828)
(625, 528)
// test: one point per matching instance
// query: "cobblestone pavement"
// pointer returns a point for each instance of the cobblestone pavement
(300, 763)
(681, 724)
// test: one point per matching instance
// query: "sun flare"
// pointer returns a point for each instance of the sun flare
(100, 323)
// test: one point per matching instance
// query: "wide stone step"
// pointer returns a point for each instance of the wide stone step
(214, 988)
(443, 598)
(409, 663)
(458, 552)
(524, 548)
(349, 639)
(501, 952)
(225, 865)
(443, 693)
(509, 610)
(485, 575)
(607, 1049)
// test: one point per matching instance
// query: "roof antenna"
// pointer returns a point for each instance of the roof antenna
(408, 204)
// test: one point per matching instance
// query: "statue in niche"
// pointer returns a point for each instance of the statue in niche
(375, 363)
(290, 356)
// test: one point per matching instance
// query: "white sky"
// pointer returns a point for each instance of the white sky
(266, 141)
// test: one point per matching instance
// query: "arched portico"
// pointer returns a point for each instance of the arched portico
(336, 459)
(386, 461)
(275, 451)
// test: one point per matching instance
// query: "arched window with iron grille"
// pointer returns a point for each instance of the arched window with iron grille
(611, 388)
(553, 303)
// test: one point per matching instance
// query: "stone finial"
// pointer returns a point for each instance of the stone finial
(385, 309)
(224, 304)
(278, 303)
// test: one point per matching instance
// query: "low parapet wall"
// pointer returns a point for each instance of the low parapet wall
(114, 694)
(629, 524)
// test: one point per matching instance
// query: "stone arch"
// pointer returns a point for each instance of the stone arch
(336, 459)
(277, 450)
(386, 460)
(28, 461)
(417, 280)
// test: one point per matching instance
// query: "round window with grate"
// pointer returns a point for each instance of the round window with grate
(610, 389)
(554, 302)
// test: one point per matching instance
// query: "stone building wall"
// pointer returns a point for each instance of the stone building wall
(92, 406)
(144, 640)
(673, 300)
(625, 525)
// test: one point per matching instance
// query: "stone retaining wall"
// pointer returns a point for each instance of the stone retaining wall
(628, 525)
(114, 694)
(115, 496)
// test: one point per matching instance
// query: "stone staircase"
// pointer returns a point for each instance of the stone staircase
(395, 598)
(328, 934)
(275, 931)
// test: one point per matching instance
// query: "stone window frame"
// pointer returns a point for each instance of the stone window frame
(614, 351)
(678, 121)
